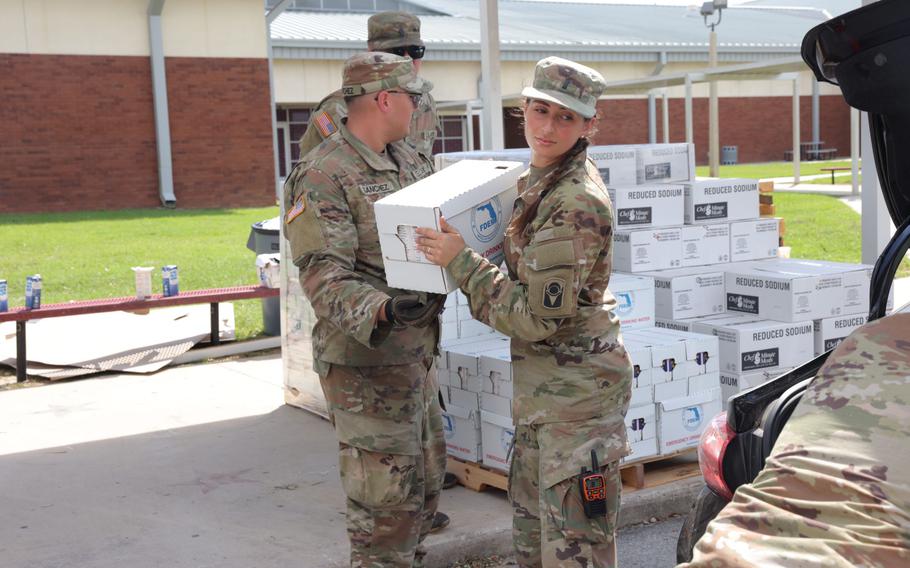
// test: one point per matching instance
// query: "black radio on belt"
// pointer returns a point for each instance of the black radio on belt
(593, 487)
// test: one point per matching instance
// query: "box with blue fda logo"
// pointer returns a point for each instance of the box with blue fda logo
(682, 420)
(474, 196)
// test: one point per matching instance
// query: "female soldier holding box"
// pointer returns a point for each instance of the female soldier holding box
(572, 373)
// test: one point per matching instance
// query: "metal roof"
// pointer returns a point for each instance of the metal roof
(587, 32)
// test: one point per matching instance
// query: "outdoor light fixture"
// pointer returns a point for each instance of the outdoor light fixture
(709, 9)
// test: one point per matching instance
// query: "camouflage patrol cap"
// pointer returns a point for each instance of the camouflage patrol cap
(386, 30)
(567, 83)
(375, 71)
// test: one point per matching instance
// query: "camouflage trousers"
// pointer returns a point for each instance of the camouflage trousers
(549, 525)
(392, 458)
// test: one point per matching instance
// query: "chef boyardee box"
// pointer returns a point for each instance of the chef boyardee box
(688, 293)
(647, 249)
(754, 239)
(475, 197)
(829, 332)
(665, 163)
(705, 244)
(748, 344)
(711, 201)
(641, 206)
(616, 164)
(795, 290)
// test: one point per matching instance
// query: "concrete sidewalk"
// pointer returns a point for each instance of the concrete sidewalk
(204, 466)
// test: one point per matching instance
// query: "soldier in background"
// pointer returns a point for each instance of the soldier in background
(390, 32)
(573, 376)
(373, 346)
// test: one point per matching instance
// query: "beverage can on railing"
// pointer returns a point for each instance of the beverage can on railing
(33, 292)
(169, 280)
(4, 298)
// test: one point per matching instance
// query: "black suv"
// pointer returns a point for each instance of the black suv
(866, 52)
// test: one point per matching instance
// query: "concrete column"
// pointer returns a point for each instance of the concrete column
(652, 119)
(269, 18)
(469, 125)
(816, 136)
(688, 107)
(665, 111)
(159, 98)
(796, 130)
(491, 130)
(713, 112)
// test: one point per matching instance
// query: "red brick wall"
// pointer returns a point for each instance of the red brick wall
(759, 126)
(78, 133)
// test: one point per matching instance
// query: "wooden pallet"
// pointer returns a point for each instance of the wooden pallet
(649, 472)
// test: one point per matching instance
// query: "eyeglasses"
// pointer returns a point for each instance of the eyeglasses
(413, 51)
(415, 99)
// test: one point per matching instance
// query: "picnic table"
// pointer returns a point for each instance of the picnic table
(833, 169)
(211, 296)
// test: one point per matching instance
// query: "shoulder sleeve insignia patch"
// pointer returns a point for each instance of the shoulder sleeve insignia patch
(295, 211)
(325, 124)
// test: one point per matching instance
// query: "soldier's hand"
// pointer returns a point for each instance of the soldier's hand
(408, 310)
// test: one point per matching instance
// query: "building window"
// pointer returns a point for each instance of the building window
(450, 137)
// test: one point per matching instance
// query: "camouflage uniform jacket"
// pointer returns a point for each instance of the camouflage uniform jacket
(330, 111)
(331, 228)
(835, 490)
(569, 360)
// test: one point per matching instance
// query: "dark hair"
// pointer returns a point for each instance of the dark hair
(517, 227)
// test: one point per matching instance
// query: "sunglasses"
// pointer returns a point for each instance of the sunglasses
(413, 51)
(415, 99)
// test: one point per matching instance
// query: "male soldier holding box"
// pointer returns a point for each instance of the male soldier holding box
(373, 346)
(390, 32)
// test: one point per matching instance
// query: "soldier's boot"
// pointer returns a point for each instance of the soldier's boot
(440, 521)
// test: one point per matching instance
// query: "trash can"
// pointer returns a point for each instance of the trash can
(728, 155)
(264, 238)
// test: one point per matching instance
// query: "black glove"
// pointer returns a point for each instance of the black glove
(408, 310)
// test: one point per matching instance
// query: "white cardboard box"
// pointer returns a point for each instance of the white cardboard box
(642, 396)
(710, 201)
(682, 420)
(700, 383)
(750, 344)
(497, 434)
(522, 155)
(754, 239)
(641, 450)
(461, 428)
(634, 300)
(705, 244)
(668, 355)
(665, 163)
(640, 353)
(616, 164)
(702, 352)
(646, 206)
(671, 389)
(829, 332)
(647, 249)
(641, 423)
(268, 267)
(688, 293)
(473, 328)
(796, 290)
(496, 404)
(475, 197)
(735, 383)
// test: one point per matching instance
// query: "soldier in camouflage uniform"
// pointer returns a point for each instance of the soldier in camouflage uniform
(572, 373)
(392, 32)
(835, 490)
(373, 346)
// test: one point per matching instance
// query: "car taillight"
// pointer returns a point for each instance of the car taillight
(711, 448)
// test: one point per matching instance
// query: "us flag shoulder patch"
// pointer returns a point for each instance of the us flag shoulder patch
(325, 124)
(295, 211)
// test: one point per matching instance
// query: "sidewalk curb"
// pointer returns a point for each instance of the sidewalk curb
(663, 501)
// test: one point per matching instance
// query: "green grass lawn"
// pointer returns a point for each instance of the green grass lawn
(89, 254)
(842, 179)
(772, 169)
(821, 227)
